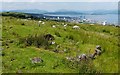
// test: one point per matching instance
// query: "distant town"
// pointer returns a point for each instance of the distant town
(79, 19)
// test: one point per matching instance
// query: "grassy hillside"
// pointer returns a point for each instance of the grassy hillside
(72, 42)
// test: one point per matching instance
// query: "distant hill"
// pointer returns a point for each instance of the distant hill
(93, 12)
(66, 12)
(30, 11)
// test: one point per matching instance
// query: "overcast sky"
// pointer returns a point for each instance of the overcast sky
(53, 6)
(59, 0)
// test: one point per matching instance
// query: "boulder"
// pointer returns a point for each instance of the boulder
(98, 47)
(49, 37)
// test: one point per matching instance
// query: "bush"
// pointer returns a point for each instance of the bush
(105, 31)
(36, 40)
(40, 41)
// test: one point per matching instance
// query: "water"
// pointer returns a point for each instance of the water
(110, 18)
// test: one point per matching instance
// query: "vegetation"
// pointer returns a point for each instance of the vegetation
(22, 39)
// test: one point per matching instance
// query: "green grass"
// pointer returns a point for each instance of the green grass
(74, 41)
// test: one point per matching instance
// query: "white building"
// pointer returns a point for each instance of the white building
(104, 23)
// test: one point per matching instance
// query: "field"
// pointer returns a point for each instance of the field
(16, 55)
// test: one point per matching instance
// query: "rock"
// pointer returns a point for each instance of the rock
(56, 51)
(54, 26)
(70, 58)
(58, 46)
(65, 50)
(92, 56)
(76, 27)
(98, 47)
(82, 57)
(98, 52)
(52, 43)
(36, 60)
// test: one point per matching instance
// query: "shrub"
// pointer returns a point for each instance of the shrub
(105, 31)
(36, 40)
(40, 41)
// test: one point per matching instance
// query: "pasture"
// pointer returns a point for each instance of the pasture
(68, 42)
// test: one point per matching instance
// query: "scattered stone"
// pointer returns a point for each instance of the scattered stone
(98, 52)
(92, 56)
(70, 58)
(54, 26)
(56, 51)
(98, 47)
(76, 27)
(58, 46)
(82, 57)
(36, 60)
(52, 43)
(65, 50)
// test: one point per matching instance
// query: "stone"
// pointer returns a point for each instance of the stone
(98, 47)
(36, 60)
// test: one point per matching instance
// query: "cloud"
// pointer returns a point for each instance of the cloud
(59, 0)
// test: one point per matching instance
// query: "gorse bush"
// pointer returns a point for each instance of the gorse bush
(36, 40)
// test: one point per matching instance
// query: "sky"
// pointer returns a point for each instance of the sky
(59, 0)
(54, 6)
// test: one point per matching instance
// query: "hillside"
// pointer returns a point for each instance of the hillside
(22, 40)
